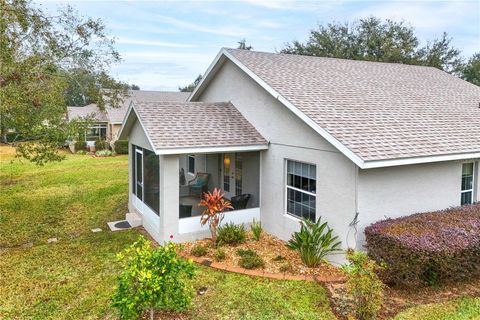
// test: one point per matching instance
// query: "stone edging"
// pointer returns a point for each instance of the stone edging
(263, 274)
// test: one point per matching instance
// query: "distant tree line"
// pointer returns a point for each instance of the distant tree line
(373, 39)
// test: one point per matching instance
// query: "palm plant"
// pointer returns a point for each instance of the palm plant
(314, 241)
(215, 204)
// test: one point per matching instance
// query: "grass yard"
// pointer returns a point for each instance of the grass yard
(75, 277)
(467, 308)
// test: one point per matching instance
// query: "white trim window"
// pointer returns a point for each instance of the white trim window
(191, 164)
(300, 189)
(97, 131)
(468, 183)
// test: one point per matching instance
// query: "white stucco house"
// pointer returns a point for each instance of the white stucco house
(291, 137)
(106, 123)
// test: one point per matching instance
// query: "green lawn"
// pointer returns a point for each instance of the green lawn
(467, 308)
(75, 277)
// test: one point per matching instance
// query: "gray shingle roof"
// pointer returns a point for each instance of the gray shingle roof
(116, 115)
(380, 111)
(171, 125)
(86, 111)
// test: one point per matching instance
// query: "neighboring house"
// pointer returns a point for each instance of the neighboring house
(349, 141)
(107, 123)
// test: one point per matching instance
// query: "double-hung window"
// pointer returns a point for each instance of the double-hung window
(468, 182)
(301, 188)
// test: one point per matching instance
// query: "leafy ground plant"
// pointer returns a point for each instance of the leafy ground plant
(250, 259)
(314, 241)
(231, 233)
(363, 285)
(103, 153)
(220, 254)
(256, 228)
(198, 250)
(152, 278)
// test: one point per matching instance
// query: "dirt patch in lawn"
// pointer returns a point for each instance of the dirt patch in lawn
(277, 257)
(400, 299)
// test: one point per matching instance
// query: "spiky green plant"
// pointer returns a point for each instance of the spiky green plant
(314, 241)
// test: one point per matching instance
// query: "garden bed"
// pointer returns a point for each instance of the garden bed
(275, 254)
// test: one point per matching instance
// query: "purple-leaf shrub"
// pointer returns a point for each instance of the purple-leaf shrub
(428, 248)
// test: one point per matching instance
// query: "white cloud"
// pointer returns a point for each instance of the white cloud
(221, 30)
(269, 24)
(125, 40)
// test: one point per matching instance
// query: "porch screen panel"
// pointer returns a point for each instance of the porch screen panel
(151, 182)
(139, 173)
(134, 176)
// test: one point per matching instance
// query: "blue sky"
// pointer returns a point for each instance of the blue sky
(166, 44)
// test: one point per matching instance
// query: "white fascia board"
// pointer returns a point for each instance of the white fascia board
(223, 149)
(327, 136)
(419, 160)
(131, 109)
(124, 122)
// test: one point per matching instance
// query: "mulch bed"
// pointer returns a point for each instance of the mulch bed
(396, 299)
(274, 253)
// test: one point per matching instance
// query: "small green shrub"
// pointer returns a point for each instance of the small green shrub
(103, 153)
(101, 145)
(82, 152)
(121, 146)
(80, 145)
(279, 258)
(249, 259)
(198, 250)
(314, 241)
(231, 233)
(152, 278)
(285, 267)
(363, 285)
(256, 228)
(220, 254)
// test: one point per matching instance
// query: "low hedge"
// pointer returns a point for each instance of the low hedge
(102, 145)
(121, 146)
(80, 145)
(428, 248)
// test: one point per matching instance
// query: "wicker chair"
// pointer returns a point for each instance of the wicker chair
(198, 185)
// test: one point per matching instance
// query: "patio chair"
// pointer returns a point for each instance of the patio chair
(240, 202)
(198, 185)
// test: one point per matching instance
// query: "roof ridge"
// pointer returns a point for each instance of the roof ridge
(331, 58)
